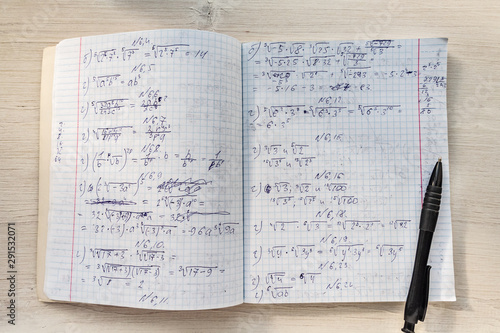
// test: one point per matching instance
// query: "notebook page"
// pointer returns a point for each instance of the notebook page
(146, 199)
(340, 140)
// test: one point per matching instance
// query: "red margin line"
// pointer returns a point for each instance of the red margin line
(419, 130)
(76, 170)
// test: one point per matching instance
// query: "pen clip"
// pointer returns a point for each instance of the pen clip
(425, 295)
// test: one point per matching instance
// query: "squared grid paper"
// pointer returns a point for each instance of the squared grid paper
(336, 220)
(146, 192)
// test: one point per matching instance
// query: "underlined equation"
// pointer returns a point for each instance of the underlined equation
(335, 136)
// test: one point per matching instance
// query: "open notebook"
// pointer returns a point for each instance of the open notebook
(190, 171)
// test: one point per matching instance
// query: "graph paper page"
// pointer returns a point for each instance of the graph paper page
(146, 199)
(340, 139)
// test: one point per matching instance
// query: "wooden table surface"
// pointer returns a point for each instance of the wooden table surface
(473, 29)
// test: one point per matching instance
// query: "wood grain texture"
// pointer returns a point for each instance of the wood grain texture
(473, 29)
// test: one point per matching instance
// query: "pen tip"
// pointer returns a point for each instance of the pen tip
(437, 174)
(439, 159)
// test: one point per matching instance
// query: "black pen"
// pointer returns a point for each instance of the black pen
(418, 295)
